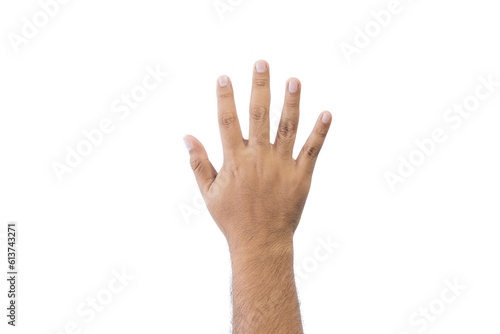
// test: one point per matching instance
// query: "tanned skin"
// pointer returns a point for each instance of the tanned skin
(257, 199)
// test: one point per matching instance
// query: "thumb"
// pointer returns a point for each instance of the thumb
(203, 170)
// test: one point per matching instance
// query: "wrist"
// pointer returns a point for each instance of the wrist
(265, 245)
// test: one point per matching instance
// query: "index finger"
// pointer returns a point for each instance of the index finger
(309, 153)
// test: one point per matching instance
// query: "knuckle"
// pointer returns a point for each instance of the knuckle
(312, 152)
(287, 130)
(227, 119)
(196, 165)
(261, 82)
(258, 113)
(292, 104)
(224, 95)
(321, 132)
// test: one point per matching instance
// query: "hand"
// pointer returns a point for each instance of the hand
(258, 196)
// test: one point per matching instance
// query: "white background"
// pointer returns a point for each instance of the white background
(132, 203)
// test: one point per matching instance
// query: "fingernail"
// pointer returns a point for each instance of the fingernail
(261, 66)
(326, 117)
(188, 144)
(293, 86)
(223, 80)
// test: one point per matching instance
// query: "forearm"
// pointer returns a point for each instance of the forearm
(264, 294)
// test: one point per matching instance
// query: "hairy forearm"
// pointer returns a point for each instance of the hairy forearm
(264, 294)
